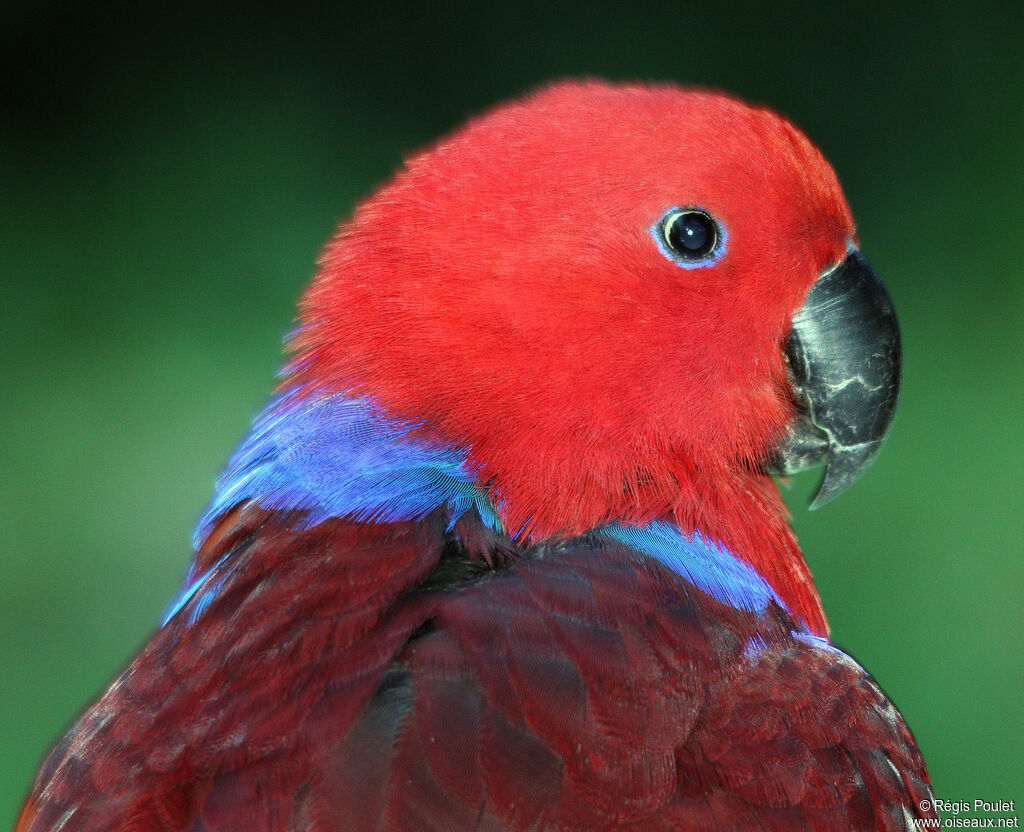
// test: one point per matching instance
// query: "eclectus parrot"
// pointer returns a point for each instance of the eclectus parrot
(505, 551)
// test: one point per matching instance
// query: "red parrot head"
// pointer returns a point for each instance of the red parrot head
(594, 290)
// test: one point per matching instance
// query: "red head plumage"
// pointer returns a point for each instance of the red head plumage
(505, 289)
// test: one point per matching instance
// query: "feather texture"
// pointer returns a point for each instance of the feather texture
(503, 553)
(585, 686)
(315, 457)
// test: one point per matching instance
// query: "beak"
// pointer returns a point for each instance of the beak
(845, 360)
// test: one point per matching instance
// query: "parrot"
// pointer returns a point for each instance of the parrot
(506, 549)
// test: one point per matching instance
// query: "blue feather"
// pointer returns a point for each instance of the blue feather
(336, 456)
(331, 455)
(704, 563)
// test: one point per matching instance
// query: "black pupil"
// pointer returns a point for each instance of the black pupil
(691, 235)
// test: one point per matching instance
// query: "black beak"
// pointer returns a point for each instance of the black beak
(845, 359)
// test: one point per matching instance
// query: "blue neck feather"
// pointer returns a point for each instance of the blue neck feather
(337, 456)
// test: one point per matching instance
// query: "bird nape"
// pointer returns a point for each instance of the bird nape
(505, 551)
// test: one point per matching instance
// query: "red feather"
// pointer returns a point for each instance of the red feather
(503, 293)
(506, 284)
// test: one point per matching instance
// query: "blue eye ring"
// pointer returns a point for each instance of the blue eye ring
(690, 237)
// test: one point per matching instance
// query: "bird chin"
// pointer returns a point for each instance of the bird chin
(804, 447)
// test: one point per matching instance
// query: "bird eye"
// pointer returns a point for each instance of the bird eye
(689, 236)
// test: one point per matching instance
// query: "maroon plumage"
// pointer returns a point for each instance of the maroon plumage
(578, 687)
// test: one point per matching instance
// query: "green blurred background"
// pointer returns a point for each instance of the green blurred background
(168, 178)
